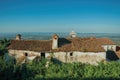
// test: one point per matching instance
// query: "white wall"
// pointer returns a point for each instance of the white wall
(109, 47)
(20, 54)
(47, 55)
(84, 57)
(99, 54)
(61, 56)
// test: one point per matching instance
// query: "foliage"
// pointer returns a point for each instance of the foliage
(3, 46)
(78, 71)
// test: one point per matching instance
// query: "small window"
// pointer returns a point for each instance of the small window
(26, 54)
(71, 54)
(43, 54)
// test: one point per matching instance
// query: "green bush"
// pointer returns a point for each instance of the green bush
(69, 71)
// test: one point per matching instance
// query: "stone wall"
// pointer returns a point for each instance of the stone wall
(61, 56)
(22, 52)
(84, 57)
(20, 55)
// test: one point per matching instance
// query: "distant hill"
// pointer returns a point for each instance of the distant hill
(47, 35)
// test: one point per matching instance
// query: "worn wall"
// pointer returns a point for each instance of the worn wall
(89, 57)
(61, 56)
(20, 55)
(84, 57)
(22, 52)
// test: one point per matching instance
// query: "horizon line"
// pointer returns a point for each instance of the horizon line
(65, 32)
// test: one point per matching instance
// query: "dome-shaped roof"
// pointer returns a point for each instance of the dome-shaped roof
(72, 33)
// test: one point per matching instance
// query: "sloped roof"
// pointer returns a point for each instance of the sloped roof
(87, 45)
(32, 45)
(105, 41)
(65, 45)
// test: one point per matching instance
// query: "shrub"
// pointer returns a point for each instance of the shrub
(38, 71)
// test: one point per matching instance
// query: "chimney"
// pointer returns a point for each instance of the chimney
(18, 37)
(55, 41)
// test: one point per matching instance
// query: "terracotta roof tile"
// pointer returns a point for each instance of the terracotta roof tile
(67, 45)
(105, 41)
(32, 45)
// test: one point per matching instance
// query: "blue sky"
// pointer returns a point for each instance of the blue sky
(84, 16)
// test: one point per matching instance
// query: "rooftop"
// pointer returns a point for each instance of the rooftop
(64, 45)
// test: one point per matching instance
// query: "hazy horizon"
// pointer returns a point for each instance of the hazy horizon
(64, 32)
(48, 35)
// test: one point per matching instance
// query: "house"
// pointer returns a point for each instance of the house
(86, 50)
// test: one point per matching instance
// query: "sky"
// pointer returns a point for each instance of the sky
(83, 16)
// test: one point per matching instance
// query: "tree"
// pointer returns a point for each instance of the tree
(4, 43)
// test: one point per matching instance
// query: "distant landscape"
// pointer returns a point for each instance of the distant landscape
(47, 35)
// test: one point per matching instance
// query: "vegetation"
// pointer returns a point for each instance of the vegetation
(56, 71)
(69, 71)
(3, 46)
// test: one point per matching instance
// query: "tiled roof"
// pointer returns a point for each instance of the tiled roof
(87, 45)
(105, 41)
(65, 45)
(32, 45)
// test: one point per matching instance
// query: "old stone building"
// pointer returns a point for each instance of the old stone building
(86, 50)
